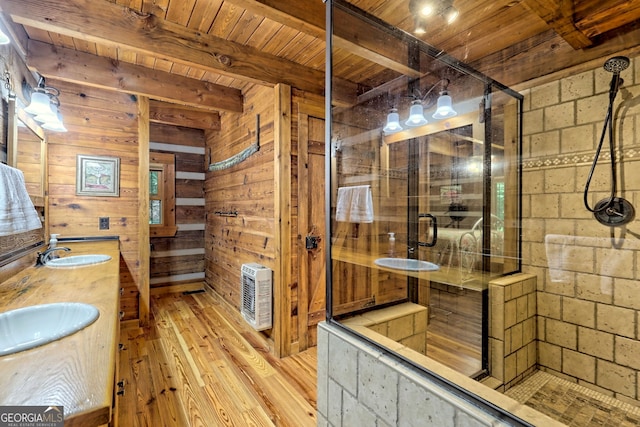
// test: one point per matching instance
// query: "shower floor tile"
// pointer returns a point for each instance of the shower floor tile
(573, 404)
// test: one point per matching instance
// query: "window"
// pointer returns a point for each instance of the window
(162, 199)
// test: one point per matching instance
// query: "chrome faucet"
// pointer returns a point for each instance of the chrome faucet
(44, 257)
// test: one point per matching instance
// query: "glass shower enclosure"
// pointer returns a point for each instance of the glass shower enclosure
(424, 200)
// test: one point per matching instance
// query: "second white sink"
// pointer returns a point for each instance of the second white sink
(406, 264)
(29, 327)
(77, 260)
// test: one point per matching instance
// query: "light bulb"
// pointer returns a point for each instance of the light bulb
(426, 10)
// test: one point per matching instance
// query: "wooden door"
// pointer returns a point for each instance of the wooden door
(311, 224)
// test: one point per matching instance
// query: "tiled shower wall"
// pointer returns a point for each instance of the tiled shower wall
(588, 296)
(512, 328)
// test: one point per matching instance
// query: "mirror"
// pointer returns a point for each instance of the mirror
(27, 152)
(31, 161)
(23, 147)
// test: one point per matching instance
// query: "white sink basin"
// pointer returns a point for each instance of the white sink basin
(406, 264)
(29, 327)
(77, 260)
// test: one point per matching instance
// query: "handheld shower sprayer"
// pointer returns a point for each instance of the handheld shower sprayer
(613, 211)
(616, 65)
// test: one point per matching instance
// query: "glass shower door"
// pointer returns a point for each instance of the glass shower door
(392, 274)
(450, 187)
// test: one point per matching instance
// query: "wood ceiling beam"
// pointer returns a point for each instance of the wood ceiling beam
(180, 115)
(305, 16)
(597, 17)
(352, 34)
(96, 71)
(559, 16)
(116, 26)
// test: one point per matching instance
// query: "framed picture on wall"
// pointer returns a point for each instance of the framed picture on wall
(97, 176)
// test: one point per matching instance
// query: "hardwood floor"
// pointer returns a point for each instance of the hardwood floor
(454, 334)
(454, 353)
(200, 364)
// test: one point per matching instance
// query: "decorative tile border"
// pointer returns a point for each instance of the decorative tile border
(575, 159)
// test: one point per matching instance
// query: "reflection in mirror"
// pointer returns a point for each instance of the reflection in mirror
(25, 150)
(31, 161)
(23, 158)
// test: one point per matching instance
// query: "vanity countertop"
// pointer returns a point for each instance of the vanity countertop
(77, 371)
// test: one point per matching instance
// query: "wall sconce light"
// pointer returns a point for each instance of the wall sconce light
(444, 108)
(416, 114)
(416, 118)
(45, 107)
(393, 122)
(421, 9)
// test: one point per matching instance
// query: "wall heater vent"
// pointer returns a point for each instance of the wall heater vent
(256, 299)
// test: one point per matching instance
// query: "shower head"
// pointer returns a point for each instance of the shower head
(616, 64)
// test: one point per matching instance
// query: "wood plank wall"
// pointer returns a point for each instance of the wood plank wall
(100, 123)
(247, 188)
(251, 188)
(179, 260)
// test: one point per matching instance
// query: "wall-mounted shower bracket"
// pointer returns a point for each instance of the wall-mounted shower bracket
(618, 212)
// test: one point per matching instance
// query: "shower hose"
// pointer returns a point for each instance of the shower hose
(615, 83)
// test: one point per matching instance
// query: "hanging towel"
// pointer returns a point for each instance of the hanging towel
(343, 205)
(355, 204)
(560, 250)
(17, 213)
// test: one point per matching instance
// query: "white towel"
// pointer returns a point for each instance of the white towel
(560, 250)
(355, 204)
(17, 213)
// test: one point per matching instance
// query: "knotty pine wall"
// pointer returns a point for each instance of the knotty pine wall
(180, 259)
(99, 123)
(263, 190)
(247, 188)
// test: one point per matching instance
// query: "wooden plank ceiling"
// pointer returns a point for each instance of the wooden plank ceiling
(217, 49)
